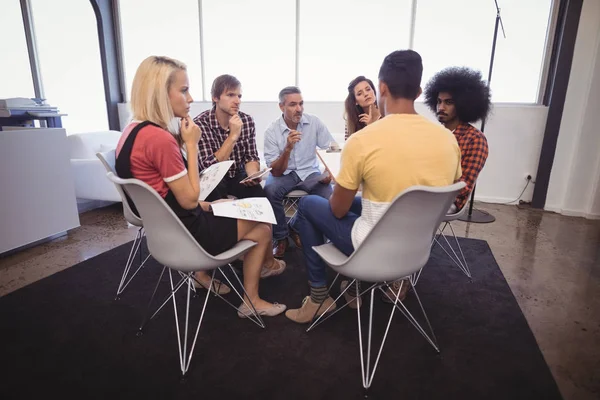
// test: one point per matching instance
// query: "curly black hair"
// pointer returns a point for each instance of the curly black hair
(469, 91)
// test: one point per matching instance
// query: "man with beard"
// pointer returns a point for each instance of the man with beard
(459, 97)
(229, 134)
(290, 150)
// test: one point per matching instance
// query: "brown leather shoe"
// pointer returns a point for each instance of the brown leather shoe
(393, 290)
(296, 238)
(280, 248)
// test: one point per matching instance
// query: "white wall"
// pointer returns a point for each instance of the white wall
(575, 180)
(514, 134)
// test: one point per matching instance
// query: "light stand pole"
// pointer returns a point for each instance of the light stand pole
(474, 215)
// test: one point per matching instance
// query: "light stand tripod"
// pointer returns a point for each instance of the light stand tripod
(474, 215)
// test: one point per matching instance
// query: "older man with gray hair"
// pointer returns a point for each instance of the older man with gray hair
(290, 150)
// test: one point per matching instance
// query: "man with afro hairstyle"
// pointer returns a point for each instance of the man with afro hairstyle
(459, 97)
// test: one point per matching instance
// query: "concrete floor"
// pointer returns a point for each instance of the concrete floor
(551, 262)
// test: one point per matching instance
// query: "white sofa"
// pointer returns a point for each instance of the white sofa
(88, 172)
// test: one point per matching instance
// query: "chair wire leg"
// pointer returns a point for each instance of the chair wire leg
(185, 358)
(199, 322)
(367, 373)
(142, 263)
(360, 346)
(387, 329)
(402, 308)
(255, 317)
(454, 257)
(145, 318)
(181, 356)
(464, 260)
(414, 278)
(165, 301)
(132, 253)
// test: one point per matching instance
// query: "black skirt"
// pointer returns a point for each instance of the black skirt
(214, 234)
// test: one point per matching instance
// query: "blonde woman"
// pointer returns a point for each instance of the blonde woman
(149, 152)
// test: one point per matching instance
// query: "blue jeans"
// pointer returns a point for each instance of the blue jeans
(314, 221)
(278, 186)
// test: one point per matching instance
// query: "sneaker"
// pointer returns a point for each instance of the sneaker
(393, 289)
(306, 313)
(353, 302)
(278, 269)
(280, 248)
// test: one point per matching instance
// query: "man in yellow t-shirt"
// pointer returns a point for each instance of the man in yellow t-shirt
(401, 150)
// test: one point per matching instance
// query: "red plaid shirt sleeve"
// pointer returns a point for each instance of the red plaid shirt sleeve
(208, 146)
(250, 153)
(474, 152)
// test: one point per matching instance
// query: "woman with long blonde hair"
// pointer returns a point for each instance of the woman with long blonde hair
(149, 151)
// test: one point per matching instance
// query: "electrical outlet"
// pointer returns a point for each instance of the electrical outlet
(528, 177)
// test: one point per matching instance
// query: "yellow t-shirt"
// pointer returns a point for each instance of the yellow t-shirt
(391, 155)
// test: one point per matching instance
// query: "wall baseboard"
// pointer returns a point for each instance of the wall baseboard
(84, 205)
(572, 213)
(496, 200)
(551, 208)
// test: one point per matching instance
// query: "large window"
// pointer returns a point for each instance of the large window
(15, 73)
(70, 64)
(161, 28)
(460, 33)
(338, 40)
(252, 40)
(342, 39)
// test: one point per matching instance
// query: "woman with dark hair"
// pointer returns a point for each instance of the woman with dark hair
(360, 106)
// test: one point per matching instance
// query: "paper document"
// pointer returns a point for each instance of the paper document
(256, 175)
(252, 208)
(331, 161)
(211, 176)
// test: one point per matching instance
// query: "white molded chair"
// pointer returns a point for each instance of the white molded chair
(460, 262)
(131, 218)
(291, 202)
(171, 244)
(447, 246)
(400, 243)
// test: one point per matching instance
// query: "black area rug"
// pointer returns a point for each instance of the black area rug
(65, 336)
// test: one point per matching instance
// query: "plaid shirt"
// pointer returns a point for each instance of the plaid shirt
(474, 151)
(213, 137)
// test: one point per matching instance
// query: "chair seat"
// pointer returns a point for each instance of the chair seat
(456, 215)
(297, 193)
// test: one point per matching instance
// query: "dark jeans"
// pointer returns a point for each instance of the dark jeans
(233, 187)
(276, 189)
(314, 222)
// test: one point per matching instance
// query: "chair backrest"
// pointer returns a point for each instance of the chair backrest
(169, 241)
(127, 212)
(400, 243)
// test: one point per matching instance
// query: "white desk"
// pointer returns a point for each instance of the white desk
(37, 195)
